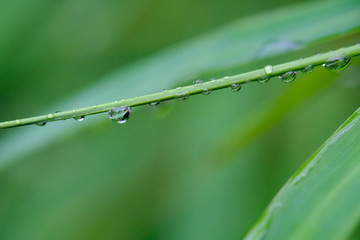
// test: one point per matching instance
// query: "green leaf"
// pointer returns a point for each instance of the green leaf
(321, 200)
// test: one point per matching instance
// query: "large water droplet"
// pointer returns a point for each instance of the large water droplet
(40, 124)
(288, 76)
(268, 69)
(308, 69)
(337, 63)
(182, 96)
(206, 91)
(120, 114)
(198, 82)
(235, 87)
(264, 79)
(79, 119)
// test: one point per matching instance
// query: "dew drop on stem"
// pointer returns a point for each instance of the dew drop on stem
(268, 69)
(264, 79)
(154, 104)
(182, 96)
(79, 119)
(235, 87)
(308, 69)
(197, 82)
(120, 114)
(288, 77)
(40, 124)
(206, 91)
(337, 63)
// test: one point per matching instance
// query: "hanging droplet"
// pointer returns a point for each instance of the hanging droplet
(206, 91)
(182, 96)
(337, 63)
(308, 69)
(40, 124)
(79, 119)
(268, 69)
(198, 82)
(154, 104)
(288, 77)
(120, 114)
(235, 87)
(264, 79)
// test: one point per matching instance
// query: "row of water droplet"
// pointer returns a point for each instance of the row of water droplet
(122, 114)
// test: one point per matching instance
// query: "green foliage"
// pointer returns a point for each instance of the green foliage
(320, 201)
(204, 168)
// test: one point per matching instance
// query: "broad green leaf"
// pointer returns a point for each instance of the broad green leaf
(321, 200)
(285, 29)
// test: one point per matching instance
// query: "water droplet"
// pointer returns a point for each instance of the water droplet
(17, 122)
(79, 119)
(288, 77)
(154, 104)
(226, 77)
(120, 114)
(264, 79)
(40, 124)
(235, 87)
(308, 69)
(337, 63)
(206, 91)
(268, 69)
(50, 115)
(182, 96)
(212, 79)
(198, 82)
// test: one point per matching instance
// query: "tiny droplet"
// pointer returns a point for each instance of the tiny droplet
(198, 82)
(79, 119)
(264, 79)
(235, 87)
(182, 96)
(268, 69)
(308, 69)
(288, 77)
(120, 114)
(40, 124)
(206, 91)
(154, 104)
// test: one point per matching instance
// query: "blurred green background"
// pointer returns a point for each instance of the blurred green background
(204, 168)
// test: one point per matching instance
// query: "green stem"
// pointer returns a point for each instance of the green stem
(189, 90)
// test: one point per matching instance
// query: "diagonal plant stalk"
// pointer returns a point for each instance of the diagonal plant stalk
(183, 92)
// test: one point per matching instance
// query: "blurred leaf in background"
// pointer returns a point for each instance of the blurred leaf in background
(155, 177)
